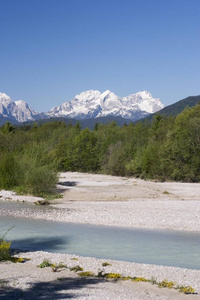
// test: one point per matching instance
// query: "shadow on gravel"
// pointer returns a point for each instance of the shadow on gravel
(40, 243)
(67, 183)
(49, 290)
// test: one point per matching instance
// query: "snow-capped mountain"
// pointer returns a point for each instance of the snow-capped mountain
(93, 104)
(16, 110)
(89, 104)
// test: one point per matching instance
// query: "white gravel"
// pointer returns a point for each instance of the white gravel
(174, 214)
(110, 201)
(31, 282)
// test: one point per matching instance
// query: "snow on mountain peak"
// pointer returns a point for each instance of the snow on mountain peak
(88, 95)
(92, 104)
(4, 97)
(20, 102)
(16, 110)
(88, 104)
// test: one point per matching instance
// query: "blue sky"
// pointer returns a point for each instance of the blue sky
(52, 50)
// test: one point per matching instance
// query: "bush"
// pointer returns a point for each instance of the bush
(41, 181)
(5, 250)
(5, 253)
(46, 263)
(9, 171)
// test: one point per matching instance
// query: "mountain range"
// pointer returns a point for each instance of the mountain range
(176, 108)
(87, 105)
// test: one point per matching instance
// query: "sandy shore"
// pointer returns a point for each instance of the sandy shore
(107, 200)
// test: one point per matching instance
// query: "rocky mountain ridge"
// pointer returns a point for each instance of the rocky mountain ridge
(88, 104)
(93, 104)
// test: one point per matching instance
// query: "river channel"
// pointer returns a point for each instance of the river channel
(149, 246)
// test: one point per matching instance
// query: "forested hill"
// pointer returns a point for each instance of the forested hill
(176, 108)
(166, 149)
(86, 123)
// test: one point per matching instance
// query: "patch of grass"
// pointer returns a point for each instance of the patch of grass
(45, 263)
(140, 279)
(186, 289)
(124, 278)
(166, 284)
(18, 259)
(5, 253)
(56, 267)
(86, 274)
(166, 193)
(74, 258)
(105, 264)
(112, 275)
(76, 269)
(5, 250)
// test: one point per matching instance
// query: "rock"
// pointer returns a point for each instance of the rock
(41, 202)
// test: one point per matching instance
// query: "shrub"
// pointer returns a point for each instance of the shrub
(124, 278)
(112, 275)
(186, 289)
(41, 181)
(76, 269)
(5, 250)
(106, 264)
(45, 263)
(5, 253)
(9, 171)
(86, 274)
(140, 279)
(166, 284)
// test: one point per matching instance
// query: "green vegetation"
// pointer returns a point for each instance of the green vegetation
(116, 276)
(86, 274)
(76, 269)
(112, 275)
(166, 284)
(166, 149)
(46, 263)
(5, 250)
(140, 279)
(176, 108)
(105, 264)
(186, 289)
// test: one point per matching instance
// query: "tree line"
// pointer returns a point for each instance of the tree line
(166, 149)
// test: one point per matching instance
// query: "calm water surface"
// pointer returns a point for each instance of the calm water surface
(161, 247)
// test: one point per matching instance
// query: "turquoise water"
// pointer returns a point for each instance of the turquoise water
(161, 247)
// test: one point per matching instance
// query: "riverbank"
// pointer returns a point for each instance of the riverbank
(28, 281)
(118, 201)
(110, 201)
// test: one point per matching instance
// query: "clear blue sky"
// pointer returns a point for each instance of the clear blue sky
(52, 50)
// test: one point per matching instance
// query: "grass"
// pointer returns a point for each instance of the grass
(76, 269)
(186, 289)
(166, 284)
(140, 279)
(166, 193)
(112, 275)
(46, 263)
(5, 251)
(86, 274)
(105, 264)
